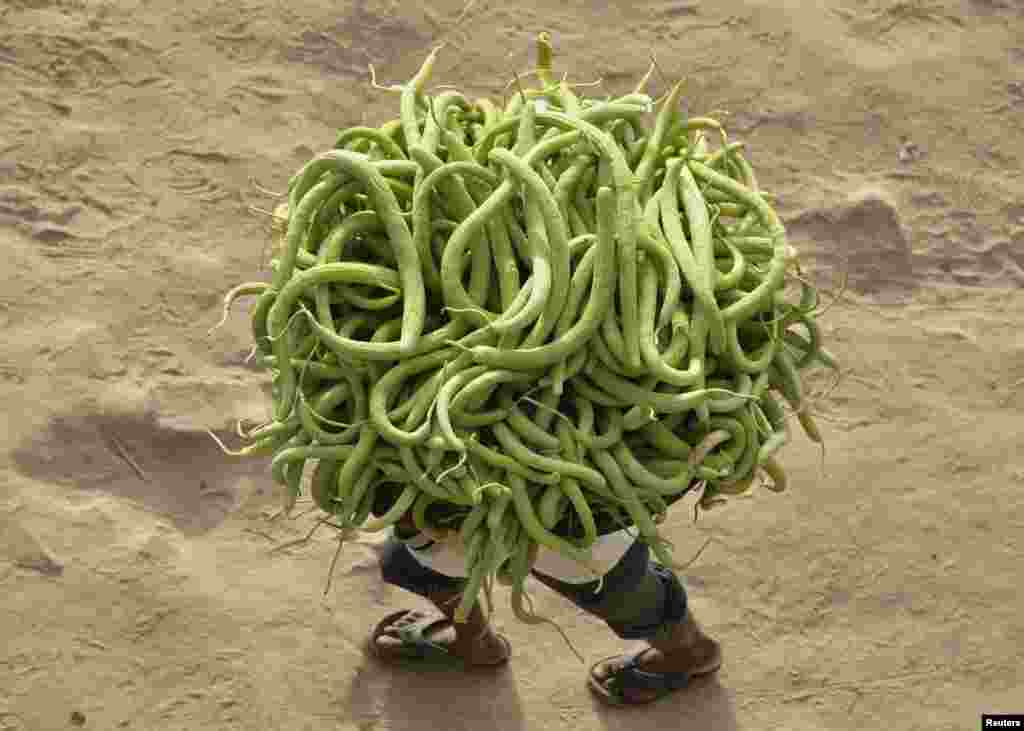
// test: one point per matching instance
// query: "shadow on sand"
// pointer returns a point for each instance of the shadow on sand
(407, 699)
(704, 706)
(411, 700)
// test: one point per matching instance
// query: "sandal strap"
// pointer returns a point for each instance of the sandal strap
(630, 676)
(418, 645)
(413, 635)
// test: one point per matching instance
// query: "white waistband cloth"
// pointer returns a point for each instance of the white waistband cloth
(607, 550)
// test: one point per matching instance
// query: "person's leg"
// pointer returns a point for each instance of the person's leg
(641, 600)
(409, 567)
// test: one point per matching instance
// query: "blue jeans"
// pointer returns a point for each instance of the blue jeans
(639, 597)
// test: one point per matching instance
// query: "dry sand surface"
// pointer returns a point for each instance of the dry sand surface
(136, 588)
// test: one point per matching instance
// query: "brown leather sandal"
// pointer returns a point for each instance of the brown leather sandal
(629, 685)
(413, 629)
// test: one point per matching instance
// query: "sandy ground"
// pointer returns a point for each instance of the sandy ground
(136, 587)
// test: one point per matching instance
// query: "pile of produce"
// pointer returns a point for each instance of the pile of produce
(529, 324)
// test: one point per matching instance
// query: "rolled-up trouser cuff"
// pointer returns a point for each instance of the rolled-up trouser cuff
(638, 597)
(400, 568)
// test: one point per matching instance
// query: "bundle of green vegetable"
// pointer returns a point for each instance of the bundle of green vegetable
(529, 324)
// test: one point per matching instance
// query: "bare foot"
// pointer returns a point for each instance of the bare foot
(701, 658)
